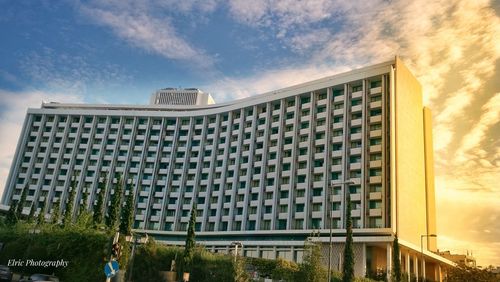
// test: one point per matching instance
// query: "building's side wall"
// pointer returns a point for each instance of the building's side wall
(409, 154)
(429, 179)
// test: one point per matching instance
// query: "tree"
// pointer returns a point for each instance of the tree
(11, 218)
(116, 200)
(348, 267)
(55, 212)
(311, 269)
(127, 216)
(466, 273)
(68, 212)
(99, 206)
(396, 263)
(190, 241)
(41, 215)
(21, 203)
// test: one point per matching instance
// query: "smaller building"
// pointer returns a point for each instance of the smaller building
(181, 96)
(467, 259)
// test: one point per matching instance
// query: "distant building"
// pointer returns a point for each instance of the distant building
(467, 260)
(266, 171)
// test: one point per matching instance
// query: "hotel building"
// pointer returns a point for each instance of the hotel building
(266, 171)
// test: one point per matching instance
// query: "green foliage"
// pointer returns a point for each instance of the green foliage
(153, 257)
(396, 269)
(265, 267)
(311, 269)
(68, 212)
(41, 215)
(83, 207)
(98, 215)
(31, 215)
(284, 270)
(21, 203)
(114, 209)
(11, 218)
(127, 216)
(84, 249)
(348, 266)
(466, 273)
(55, 212)
(190, 241)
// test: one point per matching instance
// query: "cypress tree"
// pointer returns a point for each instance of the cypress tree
(56, 212)
(190, 240)
(68, 212)
(31, 215)
(41, 215)
(348, 267)
(83, 207)
(21, 203)
(99, 206)
(128, 212)
(11, 218)
(114, 208)
(396, 263)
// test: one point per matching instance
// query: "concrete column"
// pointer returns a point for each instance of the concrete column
(440, 274)
(407, 261)
(423, 269)
(363, 246)
(389, 260)
(415, 265)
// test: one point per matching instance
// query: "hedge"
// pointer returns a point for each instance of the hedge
(86, 250)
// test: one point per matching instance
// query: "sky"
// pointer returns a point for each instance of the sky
(120, 51)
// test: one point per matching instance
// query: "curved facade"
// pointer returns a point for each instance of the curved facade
(266, 170)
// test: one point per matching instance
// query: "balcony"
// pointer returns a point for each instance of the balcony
(376, 90)
(376, 133)
(375, 195)
(375, 119)
(375, 212)
(356, 94)
(376, 105)
(375, 148)
(375, 179)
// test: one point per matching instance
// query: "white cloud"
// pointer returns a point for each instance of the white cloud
(477, 135)
(12, 114)
(136, 23)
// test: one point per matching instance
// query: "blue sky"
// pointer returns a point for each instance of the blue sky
(120, 51)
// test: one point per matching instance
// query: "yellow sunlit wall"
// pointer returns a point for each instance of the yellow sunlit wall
(429, 180)
(409, 154)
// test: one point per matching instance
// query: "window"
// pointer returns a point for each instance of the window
(299, 208)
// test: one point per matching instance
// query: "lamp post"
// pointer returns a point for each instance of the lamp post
(422, 252)
(236, 245)
(348, 182)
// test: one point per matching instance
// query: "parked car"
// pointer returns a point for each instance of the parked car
(5, 273)
(41, 278)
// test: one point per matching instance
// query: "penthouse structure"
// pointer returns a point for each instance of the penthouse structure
(266, 171)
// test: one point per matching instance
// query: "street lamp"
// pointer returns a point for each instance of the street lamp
(422, 252)
(348, 182)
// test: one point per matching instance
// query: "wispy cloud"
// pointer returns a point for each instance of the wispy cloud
(138, 24)
(474, 139)
(62, 72)
(12, 114)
